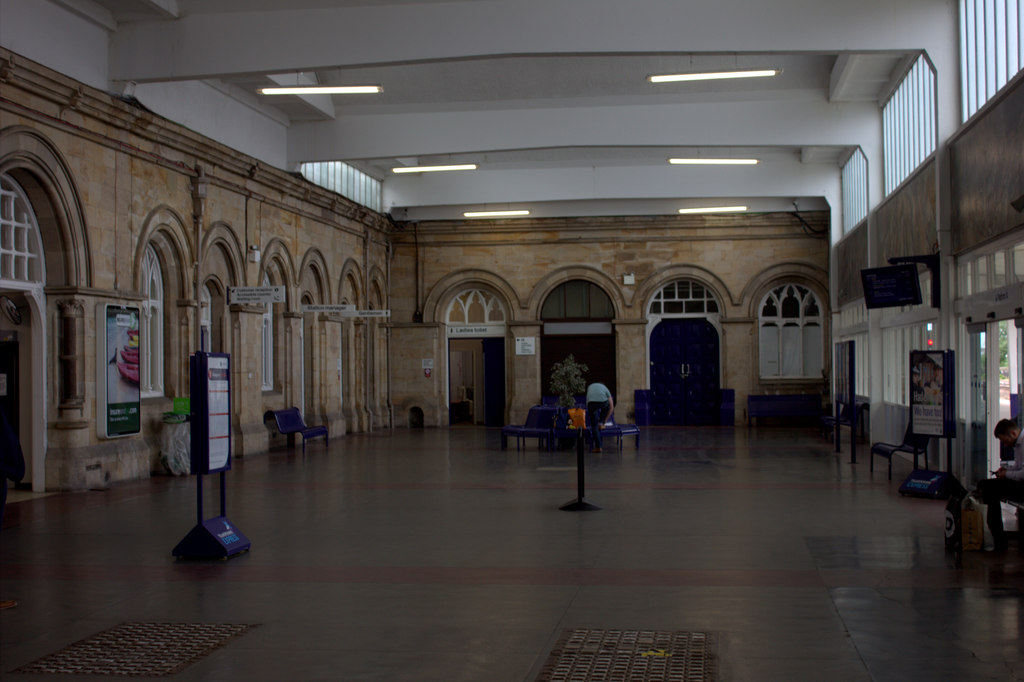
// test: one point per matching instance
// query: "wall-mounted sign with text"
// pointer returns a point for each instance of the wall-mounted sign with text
(252, 295)
(456, 331)
(526, 345)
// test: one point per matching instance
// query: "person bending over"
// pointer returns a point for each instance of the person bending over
(599, 407)
(1007, 484)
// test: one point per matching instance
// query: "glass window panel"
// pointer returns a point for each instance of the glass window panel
(981, 274)
(554, 306)
(576, 299)
(769, 344)
(790, 354)
(999, 269)
(1018, 262)
(812, 347)
(790, 305)
(600, 304)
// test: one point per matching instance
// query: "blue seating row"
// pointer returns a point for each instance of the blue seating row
(541, 423)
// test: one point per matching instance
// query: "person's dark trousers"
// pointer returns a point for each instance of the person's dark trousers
(597, 413)
(993, 491)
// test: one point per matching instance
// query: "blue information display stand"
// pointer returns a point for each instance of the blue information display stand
(210, 385)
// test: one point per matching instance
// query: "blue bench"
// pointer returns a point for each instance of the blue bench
(787, 405)
(613, 430)
(913, 444)
(846, 412)
(610, 430)
(540, 422)
(289, 422)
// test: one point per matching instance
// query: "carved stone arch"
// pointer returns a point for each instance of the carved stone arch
(164, 230)
(810, 276)
(378, 288)
(38, 167)
(222, 255)
(313, 278)
(575, 272)
(673, 273)
(452, 284)
(276, 258)
(349, 288)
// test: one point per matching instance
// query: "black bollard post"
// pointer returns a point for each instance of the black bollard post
(578, 504)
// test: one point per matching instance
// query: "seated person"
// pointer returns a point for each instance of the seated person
(1008, 483)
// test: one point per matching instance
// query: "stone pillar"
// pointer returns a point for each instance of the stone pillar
(71, 356)
(331, 414)
(249, 434)
(526, 384)
(291, 365)
(632, 353)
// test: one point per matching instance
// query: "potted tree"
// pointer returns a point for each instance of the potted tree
(567, 382)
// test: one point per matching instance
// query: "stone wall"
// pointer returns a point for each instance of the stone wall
(738, 257)
(107, 180)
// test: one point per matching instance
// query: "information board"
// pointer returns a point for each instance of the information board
(891, 286)
(210, 379)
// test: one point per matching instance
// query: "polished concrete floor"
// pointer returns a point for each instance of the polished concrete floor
(435, 555)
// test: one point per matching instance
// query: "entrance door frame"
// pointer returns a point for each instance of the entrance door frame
(989, 308)
(715, 319)
(35, 447)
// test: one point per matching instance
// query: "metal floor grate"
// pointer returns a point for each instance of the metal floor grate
(138, 649)
(632, 655)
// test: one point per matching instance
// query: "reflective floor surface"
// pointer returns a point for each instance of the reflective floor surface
(432, 554)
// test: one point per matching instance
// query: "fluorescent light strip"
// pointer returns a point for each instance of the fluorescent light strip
(434, 169)
(713, 209)
(714, 162)
(323, 90)
(494, 214)
(718, 75)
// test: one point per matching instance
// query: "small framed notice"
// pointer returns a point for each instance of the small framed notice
(526, 345)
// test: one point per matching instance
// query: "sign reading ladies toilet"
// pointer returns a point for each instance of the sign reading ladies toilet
(118, 365)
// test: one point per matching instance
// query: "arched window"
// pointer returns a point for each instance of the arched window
(19, 235)
(151, 370)
(267, 339)
(577, 300)
(205, 318)
(791, 333)
(684, 297)
(475, 306)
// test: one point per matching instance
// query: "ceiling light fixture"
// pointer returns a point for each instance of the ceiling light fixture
(434, 169)
(714, 162)
(713, 209)
(494, 214)
(715, 75)
(322, 90)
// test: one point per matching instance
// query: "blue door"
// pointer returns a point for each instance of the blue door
(685, 386)
(494, 382)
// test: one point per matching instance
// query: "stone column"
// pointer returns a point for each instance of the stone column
(291, 363)
(71, 356)
(632, 354)
(249, 434)
(527, 384)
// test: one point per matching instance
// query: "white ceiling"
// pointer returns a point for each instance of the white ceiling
(550, 97)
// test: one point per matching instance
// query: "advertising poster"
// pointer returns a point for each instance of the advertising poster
(121, 331)
(928, 392)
